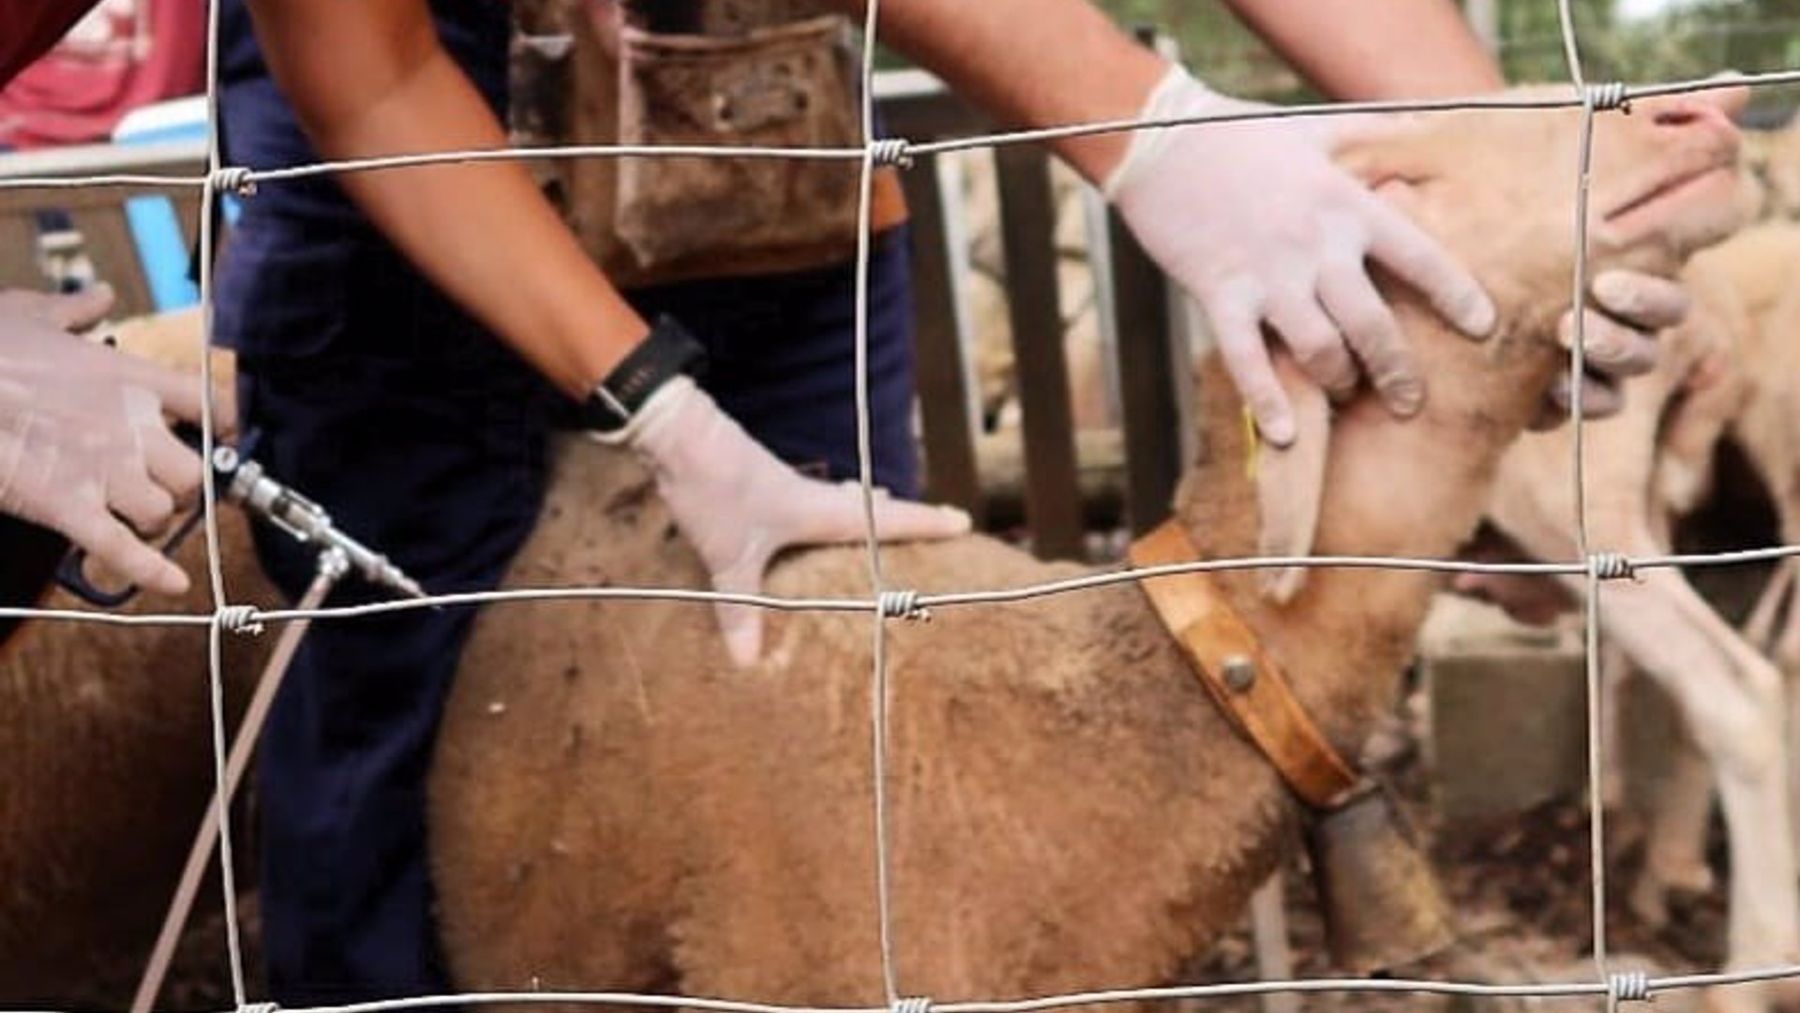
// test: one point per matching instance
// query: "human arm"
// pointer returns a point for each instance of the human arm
(1345, 50)
(1273, 235)
(370, 78)
(1251, 218)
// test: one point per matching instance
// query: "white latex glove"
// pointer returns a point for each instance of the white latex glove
(83, 440)
(739, 505)
(1258, 225)
(1620, 339)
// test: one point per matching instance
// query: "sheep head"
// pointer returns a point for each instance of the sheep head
(1498, 188)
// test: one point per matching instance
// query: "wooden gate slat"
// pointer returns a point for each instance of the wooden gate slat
(949, 430)
(1028, 224)
(1151, 417)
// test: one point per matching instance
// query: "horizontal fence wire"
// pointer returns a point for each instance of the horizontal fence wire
(885, 603)
(1612, 566)
(236, 178)
(1635, 985)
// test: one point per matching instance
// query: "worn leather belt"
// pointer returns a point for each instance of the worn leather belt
(1238, 674)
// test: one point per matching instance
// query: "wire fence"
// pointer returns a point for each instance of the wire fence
(885, 603)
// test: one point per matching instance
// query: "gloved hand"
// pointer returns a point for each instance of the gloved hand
(1620, 338)
(83, 440)
(1260, 227)
(739, 505)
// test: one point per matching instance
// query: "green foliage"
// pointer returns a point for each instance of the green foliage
(1690, 39)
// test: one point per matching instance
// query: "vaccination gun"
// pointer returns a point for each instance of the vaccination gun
(239, 479)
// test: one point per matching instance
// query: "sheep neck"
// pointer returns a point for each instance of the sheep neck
(1407, 488)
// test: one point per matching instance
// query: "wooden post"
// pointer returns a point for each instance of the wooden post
(1027, 221)
(943, 380)
(1152, 417)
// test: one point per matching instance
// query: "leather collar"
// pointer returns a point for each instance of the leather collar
(1238, 674)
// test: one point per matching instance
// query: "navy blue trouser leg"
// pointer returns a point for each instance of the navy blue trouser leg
(346, 893)
(424, 437)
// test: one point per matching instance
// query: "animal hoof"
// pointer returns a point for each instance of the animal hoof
(1691, 877)
(1649, 902)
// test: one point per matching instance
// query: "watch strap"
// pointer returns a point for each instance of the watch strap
(668, 351)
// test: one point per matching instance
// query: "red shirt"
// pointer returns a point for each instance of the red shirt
(125, 54)
(28, 27)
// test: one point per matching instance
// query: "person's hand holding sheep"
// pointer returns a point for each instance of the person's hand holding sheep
(1619, 338)
(1256, 223)
(83, 438)
(740, 505)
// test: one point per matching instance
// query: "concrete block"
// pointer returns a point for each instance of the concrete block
(1508, 719)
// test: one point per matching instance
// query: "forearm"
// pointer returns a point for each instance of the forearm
(377, 83)
(1031, 63)
(1376, 49)
(1052, 62)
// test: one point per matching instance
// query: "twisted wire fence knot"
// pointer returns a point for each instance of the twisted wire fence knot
(903, 605)
(1607, 96)
(1612, 566)
(232, 179)
(239, 619)
(1627, 986)
(913, 1004)
(895, 151)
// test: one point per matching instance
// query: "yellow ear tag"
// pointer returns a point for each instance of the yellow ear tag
(1252, 445)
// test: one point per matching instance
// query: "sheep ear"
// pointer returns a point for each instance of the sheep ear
(1290, 484)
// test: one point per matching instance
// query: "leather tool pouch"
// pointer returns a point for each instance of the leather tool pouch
(790, 85)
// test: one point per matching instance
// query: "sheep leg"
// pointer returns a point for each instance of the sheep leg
(1759, 629)
(1616, 674)
(1274, 960)
(1675, 844)
(1786, 646)
(1677, 811)
(1679, 641)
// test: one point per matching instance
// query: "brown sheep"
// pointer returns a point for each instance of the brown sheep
(79, 869)
(108, 770)
(614, 806)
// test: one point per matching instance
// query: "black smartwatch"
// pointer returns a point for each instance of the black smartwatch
(668, 351)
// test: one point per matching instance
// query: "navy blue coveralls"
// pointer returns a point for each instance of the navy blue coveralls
(425, 436)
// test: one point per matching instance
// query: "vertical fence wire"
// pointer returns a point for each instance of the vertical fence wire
(1591, 580)
(210, 210)
(878, 685)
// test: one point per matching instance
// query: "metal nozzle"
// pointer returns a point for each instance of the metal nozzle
(251, 487)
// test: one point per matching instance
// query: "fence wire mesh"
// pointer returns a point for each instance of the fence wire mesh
(885, 603)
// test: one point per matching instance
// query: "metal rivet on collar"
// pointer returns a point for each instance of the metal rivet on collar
(1239, 673)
